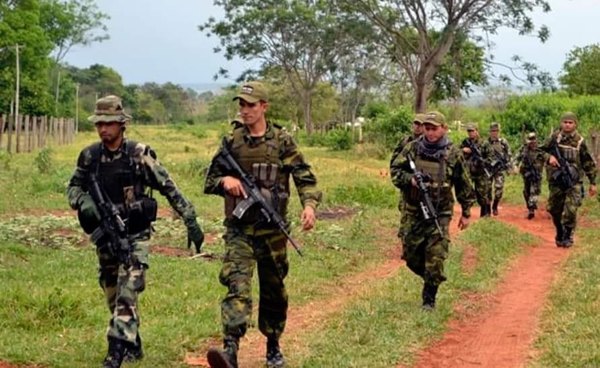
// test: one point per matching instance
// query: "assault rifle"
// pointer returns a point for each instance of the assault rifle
(476, 154)
(254, 195)
(111, 224)
(566, 176)
(427, 208)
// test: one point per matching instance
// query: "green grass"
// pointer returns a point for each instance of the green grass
(570, 324)
(53, 313)
(386, 326)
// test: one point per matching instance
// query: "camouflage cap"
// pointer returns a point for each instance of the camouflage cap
(109, 109)
(495, 126)
(568, 116)
(252, 92)
(471, 127)
(419, 118)
(531, 137)
(434, 118)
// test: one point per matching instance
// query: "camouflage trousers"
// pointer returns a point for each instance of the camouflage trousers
(122, 285)
(481, 184)
(423, 248)
(531, 191)
(245, 249)
(497, 184)
(563, 204)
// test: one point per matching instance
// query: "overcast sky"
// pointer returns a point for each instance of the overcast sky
(159, 41)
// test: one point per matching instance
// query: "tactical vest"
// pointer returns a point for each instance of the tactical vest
(122, 179)
(437, 177)
(570, 150)
(260, 157)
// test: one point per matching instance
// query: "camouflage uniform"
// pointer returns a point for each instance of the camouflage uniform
(124, 175)
(477, 171)
(271, 159)
(564, 202)
(531, 168)
(500, 162)
(424, 249)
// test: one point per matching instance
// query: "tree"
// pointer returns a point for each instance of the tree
(582, 71)
(72, 22)
(303, 37)
(398, 20)
(20, 24)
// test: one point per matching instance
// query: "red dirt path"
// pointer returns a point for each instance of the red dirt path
(501, 334)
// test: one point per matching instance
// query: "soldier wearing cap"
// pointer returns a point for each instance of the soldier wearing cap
(477, 157)
(417, 132)
(268, 153)
(442, 167)
(500, 162)
(123, 170)
(531, 166)
(563, 201)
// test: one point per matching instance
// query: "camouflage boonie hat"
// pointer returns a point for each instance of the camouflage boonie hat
(531, 137)
(471, 127)
(568, 116)
(252, 92)
(419, 118)
(109, 109)
(495, 126)
(434, 118)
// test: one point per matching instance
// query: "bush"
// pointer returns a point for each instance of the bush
(388, 129)
(339, 139)
(43, 160)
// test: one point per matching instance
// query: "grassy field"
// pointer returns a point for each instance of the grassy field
(52, 311)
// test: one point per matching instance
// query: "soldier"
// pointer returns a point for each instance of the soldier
(569, 158)
(441, 166)
(123, 169)
(499, 164)
(531, 167)
(267, 152)
(417, 132)
(477, 157)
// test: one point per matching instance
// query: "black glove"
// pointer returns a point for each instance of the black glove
(195, 235)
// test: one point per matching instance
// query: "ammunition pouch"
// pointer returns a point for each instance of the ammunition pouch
(141, 214)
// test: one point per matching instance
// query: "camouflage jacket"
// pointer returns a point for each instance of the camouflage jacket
(149, 173)
(574, 149)
(406, 140)
(500, 157)
(453, 174)
(476, 164)
(287, 162)
(531, 160)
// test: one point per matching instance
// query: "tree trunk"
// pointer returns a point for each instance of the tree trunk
(421, 96)
(307, 109)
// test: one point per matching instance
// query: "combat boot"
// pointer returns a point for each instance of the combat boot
(568, 237)
(531, 214)
(134, 352)
(560, 232)
(115, 355)
(274, 356)
(428, 295)
(495, 207)
(226, 358)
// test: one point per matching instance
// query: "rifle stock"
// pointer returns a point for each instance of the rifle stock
(255, 197)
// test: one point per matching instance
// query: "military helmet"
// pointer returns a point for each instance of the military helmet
(108, 109)
(494, 126)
